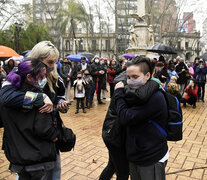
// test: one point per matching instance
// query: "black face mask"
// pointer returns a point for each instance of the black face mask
(87, 74)
(79, 77)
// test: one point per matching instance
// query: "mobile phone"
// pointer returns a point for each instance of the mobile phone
(69, 103)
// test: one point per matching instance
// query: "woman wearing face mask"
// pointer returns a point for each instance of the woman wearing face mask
(146, 146)
(66, 74)
(54, 92)
(182, 71)
(112, 72)
(98, 72)
(28, 143)
(195, 65)
(113, 133)
(89, 82)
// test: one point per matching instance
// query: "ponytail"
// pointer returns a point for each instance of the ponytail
(14, 78)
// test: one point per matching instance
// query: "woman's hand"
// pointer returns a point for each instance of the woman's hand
(62, 105)
(119, 85)
(48, 105)
(54, 140)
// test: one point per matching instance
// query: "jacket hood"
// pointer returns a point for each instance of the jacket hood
(121, 77)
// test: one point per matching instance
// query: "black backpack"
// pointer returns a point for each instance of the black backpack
(112, 131)
(67, 139)
(173, 132)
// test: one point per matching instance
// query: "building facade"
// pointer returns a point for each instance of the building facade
(187, 24)
(102, 45)
(163, 17)
(204, 37)
(186, 45)
(123, 21)
(46, 12)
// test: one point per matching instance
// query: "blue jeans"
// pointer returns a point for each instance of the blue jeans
(56, 172)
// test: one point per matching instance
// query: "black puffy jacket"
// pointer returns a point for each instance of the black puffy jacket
(95, 68)
(28, 135)
(112, 132)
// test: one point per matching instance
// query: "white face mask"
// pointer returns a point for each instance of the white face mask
(135, 83)
(96, 60)
(42, 83)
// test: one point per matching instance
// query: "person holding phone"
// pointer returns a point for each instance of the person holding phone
(190, 95)
(201, 71)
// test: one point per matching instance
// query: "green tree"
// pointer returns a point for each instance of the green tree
(28, 37)
(70, 16)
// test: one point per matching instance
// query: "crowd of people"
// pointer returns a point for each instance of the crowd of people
(40, 86)
(185, 80)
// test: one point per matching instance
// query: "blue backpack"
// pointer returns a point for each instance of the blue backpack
(174, 130)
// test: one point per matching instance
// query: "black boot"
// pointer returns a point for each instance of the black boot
(77, 111)
(84, 111)
(87, 105)
(194, 106)
(101, 102)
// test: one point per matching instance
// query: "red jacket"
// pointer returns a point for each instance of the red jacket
(190, 92)
(111, 75)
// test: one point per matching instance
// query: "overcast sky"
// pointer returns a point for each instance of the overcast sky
(199, 7)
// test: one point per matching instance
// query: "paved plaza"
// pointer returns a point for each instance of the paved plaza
(187, 157)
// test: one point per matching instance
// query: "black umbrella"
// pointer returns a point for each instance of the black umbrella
(161, 49)
(204, 57)
(88, 55)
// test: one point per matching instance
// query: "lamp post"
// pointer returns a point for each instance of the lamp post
(18, 28)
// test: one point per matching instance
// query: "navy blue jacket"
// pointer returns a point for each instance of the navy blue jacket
(145, 144)
(201, 74)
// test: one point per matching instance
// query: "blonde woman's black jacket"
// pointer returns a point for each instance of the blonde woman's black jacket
(28, 135)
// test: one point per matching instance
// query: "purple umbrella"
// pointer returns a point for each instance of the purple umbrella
(128, 56)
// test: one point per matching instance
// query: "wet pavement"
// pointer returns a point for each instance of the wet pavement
(187, 157)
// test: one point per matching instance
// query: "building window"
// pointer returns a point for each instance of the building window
(93, 45)
(81, 45)
(107, 45)
(67, 45)
(179, 45)
(186, 45)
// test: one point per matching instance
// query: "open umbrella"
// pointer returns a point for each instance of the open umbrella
(161, 49)
(128, 56)
(77, 57)
(88, 55)
(7, 52)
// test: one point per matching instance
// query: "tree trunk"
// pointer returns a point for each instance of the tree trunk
(74, 37)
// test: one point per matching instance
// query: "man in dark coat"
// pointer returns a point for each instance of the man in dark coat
(181, 70)
(161, 72)
(65, 72)
(97, 72)
(83, 65)
(201, 72)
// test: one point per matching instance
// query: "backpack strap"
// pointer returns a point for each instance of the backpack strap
(158, 127)
(178, 104)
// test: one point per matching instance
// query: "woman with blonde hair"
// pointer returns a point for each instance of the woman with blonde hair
(53, 94)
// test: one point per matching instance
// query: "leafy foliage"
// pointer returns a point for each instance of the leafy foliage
(70, 16)
(30, 36)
